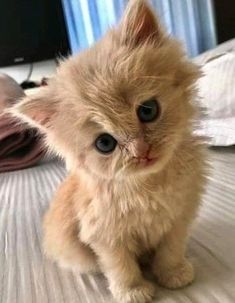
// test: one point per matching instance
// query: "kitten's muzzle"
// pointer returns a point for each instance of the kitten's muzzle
(140, 151)
(139, 148)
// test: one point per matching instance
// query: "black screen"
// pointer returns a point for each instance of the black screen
(225, 19)
(31, 30)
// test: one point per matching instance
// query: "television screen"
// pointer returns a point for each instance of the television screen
(31, 30)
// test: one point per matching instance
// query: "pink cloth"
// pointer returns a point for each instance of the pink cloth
(20, 146)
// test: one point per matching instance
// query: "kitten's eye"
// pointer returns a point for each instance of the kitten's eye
(105, 143)
(148, 111)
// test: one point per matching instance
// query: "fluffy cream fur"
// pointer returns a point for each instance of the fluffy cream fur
(111, 210)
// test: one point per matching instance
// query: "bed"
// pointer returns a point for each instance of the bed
(26, 276)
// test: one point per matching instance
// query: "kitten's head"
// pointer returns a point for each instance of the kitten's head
(121, 107)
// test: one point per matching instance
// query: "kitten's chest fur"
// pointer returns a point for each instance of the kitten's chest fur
(136, 215)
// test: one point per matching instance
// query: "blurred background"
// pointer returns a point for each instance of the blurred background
(190, 20)
(35, 34)
(39, 30)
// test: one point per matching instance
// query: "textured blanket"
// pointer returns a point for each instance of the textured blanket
(26, 276)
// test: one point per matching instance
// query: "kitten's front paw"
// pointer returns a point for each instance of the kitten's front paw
(142, 293)
(177, 277)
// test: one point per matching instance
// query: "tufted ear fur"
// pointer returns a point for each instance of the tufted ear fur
(36, 109)
(140, 25)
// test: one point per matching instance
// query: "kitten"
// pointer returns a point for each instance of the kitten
(121, 113)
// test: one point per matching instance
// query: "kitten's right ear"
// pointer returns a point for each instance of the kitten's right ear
(37, 109)
(139, 25)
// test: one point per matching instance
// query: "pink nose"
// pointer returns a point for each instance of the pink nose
(139, 148)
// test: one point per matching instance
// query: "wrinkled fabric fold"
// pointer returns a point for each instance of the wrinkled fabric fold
(20, 145)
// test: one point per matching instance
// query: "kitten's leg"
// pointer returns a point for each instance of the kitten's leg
(171, 267)
(62, 244)
(124, 275)
(61, 239)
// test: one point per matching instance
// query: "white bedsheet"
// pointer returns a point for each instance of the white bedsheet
(217, 94)
(27, 277)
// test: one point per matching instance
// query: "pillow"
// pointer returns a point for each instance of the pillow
(217, 94)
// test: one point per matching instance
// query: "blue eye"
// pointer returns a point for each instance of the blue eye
(148, 111)
(105, 143)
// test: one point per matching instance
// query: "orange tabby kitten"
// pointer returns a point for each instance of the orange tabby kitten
(120, 113)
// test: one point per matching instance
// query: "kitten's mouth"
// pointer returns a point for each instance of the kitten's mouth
(145, 162)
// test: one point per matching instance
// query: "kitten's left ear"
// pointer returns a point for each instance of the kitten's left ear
(36, 110)
(140, 25)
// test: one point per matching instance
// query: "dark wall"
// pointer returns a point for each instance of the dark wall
(225, 19)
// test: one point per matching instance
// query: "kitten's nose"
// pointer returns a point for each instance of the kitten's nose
(139, 148)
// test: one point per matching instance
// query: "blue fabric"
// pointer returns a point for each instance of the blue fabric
(192, 21)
